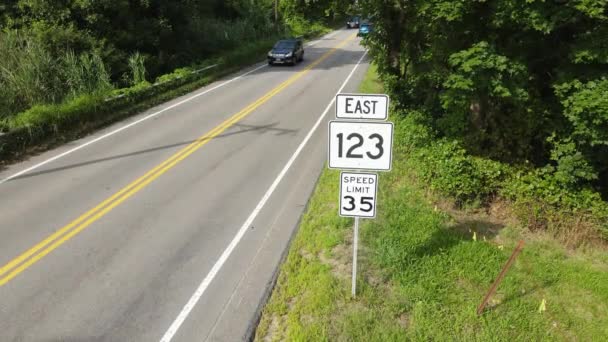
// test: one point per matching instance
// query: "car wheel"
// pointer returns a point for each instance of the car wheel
(294, 60)
(270, 63)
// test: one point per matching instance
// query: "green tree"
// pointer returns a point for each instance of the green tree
(502, 76)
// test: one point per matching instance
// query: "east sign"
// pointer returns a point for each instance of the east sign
(362, 106)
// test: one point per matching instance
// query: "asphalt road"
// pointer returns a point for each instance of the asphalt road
(170, 225)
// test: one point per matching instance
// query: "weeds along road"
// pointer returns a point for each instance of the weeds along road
(171, 229)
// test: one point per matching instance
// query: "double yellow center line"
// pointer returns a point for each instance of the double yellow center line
(46, 246)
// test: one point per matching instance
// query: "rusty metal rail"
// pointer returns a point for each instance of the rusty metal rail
(501, 276)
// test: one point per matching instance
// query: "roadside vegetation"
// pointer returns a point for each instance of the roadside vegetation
(426, 263)
(66, 68)
(508, 99)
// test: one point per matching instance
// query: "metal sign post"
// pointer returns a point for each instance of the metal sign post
(355, 248)
(358, 200)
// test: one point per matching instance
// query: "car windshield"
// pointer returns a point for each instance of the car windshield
(284, 45)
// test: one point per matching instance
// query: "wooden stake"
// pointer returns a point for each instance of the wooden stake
(501, 276)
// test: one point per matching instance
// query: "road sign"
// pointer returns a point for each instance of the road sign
(362, 106)
(360, 145)
(358, 194)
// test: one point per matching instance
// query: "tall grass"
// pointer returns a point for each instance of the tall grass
(28, 74)
(31, 75)
(34, 74)
(85, 74)
(138, 68)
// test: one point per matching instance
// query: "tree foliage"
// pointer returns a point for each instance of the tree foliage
(133, 39)
(517, 81)
(169, 33)
(54, 48)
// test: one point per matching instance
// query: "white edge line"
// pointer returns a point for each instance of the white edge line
(183, 315)
(50, 160)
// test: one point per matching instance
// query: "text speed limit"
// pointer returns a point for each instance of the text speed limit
(358, 194)
(360, 145)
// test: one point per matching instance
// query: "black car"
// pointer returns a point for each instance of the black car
(286, 51)
(353, 22)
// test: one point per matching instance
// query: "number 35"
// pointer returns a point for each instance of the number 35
(365, 201)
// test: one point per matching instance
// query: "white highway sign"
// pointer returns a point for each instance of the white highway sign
(358, 194)
(362, 106)
(360, 145)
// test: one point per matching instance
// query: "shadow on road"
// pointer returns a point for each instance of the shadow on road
(236, 129)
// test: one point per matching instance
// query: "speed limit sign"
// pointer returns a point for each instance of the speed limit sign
(358, 194)
(360, 145)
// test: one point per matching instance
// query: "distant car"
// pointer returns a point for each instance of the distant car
(353, 22)
(286, 51)
(364, 29)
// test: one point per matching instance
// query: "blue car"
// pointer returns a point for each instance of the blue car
(364, 29)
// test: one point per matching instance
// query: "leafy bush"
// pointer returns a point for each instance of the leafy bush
(586, 107)
(175, 75)
(298, 26)
(412, 131)
(544, 202)
(571, 168)
(481, 87)
(56, 114)
(555, 197)
(445, 164)
(558, 197)
(447, 167)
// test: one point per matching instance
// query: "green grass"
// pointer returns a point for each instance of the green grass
(422, 274)
(371, 84)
